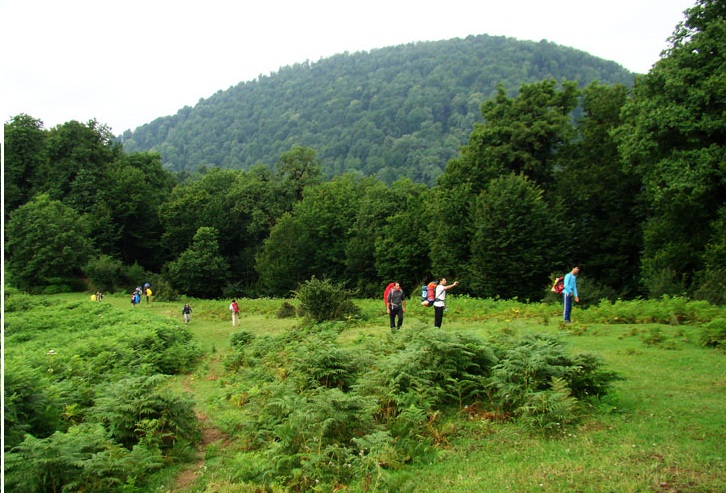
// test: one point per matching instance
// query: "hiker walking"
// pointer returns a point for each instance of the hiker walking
(570, 292)
(396, 306)
(440, 301)
(187, 312)
(234, 310)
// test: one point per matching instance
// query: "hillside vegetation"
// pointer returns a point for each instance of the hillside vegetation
(400, 111)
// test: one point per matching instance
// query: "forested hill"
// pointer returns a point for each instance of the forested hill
(391, 112)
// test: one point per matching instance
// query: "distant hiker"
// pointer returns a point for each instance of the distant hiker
(234, 310)
(570, 291)
(440, 303)
(187, 312)
(148, 294)
(99, 296)
(396, 306)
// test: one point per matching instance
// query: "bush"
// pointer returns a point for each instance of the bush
(105, 273)
(286, 310)
(324, 300)
(538, 369)
(134, 411)
(240, 339)
(714, 333)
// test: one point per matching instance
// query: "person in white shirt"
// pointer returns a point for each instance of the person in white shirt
(440, 301)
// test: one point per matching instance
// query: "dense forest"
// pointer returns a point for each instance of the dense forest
(394, 112)
(627, 181)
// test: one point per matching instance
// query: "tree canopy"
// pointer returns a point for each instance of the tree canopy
(393, 112)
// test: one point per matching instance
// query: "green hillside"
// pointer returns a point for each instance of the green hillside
(400, 111)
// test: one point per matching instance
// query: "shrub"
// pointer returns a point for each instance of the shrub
(430, 369)
(82, 459)
(323, 300)
(286, 310)
(539, 363)
(323, 363)
(713, 334)
(240, 339)
(133, 410)
(105, 273)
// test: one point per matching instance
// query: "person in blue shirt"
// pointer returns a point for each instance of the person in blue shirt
(570, 292)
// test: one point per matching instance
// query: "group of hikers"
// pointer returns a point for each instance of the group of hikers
(433, 294)
(138, 292)
(233, 310)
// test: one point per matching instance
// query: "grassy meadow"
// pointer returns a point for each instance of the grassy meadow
(661, 428)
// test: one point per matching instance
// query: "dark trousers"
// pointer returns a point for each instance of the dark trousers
(396, 311)
(438, 316)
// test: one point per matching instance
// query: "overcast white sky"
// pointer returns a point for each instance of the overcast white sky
(127, 63)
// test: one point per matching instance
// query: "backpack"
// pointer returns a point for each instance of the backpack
(559, 285)
(428, 294)
(386, 291)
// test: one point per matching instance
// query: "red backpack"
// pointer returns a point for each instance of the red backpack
(386, 291)
(559, 285)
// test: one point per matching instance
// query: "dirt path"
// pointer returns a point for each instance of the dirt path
(210, 435)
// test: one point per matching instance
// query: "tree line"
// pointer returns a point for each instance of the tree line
(627, 182)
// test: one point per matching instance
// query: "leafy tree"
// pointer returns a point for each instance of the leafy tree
(516, 240)
(104, 273)
(25, 157)
(601, 200)
(47, 244)
(673, 139)
(200, 271)
(282, 263)
(78, 159)
(299, 168)
(136, 186)
(313, 238)
(376, 204)
(402, 245)
(519, 135)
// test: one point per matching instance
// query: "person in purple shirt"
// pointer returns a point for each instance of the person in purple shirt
(570, 292)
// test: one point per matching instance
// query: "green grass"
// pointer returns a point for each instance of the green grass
(662, 430)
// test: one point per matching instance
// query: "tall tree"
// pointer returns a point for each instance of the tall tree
(519, 135)
(47, 244)
(78, 158)
(516, 240)
(25, 157)
(299, 168)
(128, 209)
(200, 271)
(402, 247)
(322, 222)
(600, 199)
(673, 138)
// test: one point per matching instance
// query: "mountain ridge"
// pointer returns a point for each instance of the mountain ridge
(390, 112)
